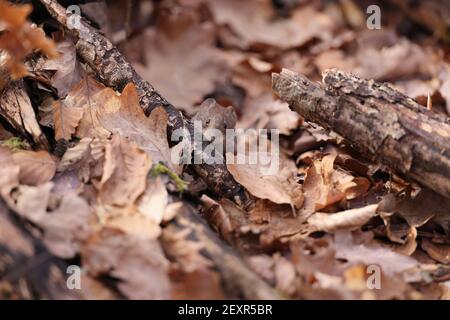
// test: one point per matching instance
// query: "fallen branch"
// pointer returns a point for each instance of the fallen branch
(114, 71)
(381, 123)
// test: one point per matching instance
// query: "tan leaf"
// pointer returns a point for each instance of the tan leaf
(439, 252)
(124, 180)
(324, 185)
(153, 202)
(135, 224)
(349, 219)
(68, 69)
(66, 120)
(278, 187)
(67, 227)
(36, 167)
(122, 115)
(82, 97)
(391, 263)
(83, 157)
(9, 172)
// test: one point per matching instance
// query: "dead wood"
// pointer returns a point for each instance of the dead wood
(114, 71)
(380, 122)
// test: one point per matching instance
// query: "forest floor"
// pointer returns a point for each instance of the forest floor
(88, 181)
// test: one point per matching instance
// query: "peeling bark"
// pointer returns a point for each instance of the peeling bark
(379, 121)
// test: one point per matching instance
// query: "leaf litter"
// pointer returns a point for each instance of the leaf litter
(313, 228)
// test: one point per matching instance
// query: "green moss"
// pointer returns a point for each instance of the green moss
(14, 143)
(159, 168)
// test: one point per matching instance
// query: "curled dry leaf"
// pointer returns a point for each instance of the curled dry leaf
(36, 167)
(266, 112)
(86, 159)
(77, 111)
(349, 219)
(270, 182)
(439, 252)
(124, 173)
(325, 185)
(122, 115)
(65, 120)
(67, 68)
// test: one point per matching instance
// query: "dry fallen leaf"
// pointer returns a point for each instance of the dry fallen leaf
(439, 252)
(325, 185)
(124, 173)
(68, 72)
(36, 167)
(122, 115)
(349, 219)
(278, 186)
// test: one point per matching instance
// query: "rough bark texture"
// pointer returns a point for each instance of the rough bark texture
(381, 123)
(114, 71)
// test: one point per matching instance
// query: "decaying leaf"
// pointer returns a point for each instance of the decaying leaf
(277, 185)
(20, 38)
(439, 252)
(349, 219)
(324, 185)
(35, 167)
(65, 120)
(124, 173)
(122, 115)
(67, 68)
